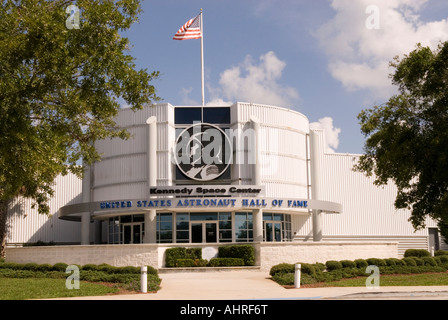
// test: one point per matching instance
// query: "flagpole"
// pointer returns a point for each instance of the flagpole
(202, 59)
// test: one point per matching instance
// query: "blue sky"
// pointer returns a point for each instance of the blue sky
(316, 57)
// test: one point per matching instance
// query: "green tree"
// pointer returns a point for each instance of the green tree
(407, 137)
(60, 87)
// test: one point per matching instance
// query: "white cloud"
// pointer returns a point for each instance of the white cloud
(255, 82)
(186, 100)
(359, 57)
(331, 133)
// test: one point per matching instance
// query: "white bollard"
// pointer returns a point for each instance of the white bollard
(298, 268)
(144, 279)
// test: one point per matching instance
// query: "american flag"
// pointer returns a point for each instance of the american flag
(190, 30)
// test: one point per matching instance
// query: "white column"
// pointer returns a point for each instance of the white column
(150, 215)
(316, 150)
(257, 213)
(85, 217)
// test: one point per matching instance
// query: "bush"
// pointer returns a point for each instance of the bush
(361, 263)
(226, 262)
(440, 253)
(419, 253)
(173, 254)
(244, 251)
(185, 263)
(409, 262)
(60, 266)
(429, 261)
(443, 258)
(377, 262)
(333, 265)
(282, 268)
(418, 261)
(348, 264)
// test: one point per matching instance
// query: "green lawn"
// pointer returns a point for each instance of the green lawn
(41, 288)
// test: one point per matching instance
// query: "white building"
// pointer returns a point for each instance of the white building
(210, 176)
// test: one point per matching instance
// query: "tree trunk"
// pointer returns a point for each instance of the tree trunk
(3, 218)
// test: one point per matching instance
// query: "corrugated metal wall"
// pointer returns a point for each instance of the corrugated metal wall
(368, 211)
(25, 225)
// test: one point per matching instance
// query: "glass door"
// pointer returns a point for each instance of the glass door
(273, 231)
(204, 232)
(132, 233)
(196, 232)
(211, 232)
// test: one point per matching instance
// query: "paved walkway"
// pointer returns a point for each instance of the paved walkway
(243, 285)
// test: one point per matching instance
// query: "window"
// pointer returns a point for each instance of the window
(164, 228)
(114, 230)
(182, 227)
(187, 115)
(243, 227)
(277, 227)
(215, 115)
(225, 227)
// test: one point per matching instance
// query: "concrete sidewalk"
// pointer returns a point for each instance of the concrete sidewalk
(243, 285)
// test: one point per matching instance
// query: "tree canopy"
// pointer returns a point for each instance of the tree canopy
(60, 87)
(407, 137)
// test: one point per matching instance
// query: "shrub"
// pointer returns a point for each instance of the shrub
(244, 251)
(45, 267)
(185, 263)
(30, 266)
(419, 253)
(282, 268)
(443, 258)
(333, 265)
(409, 262)
(418, 261)
(226, 262)
(361, 263)
(348, 264)
(376, 262)
(60, 266)
(172, 254)
(429, 261)
(440, 253)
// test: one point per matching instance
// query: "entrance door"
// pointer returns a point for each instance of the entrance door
(204, 232)
(132, 233)
(273, 231)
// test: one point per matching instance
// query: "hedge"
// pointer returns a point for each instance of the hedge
(128, 277)
(225, 262)
(233, 255)
(283, 273)
(183, 263)
(419, 253)
(243, 251)
(173, 254)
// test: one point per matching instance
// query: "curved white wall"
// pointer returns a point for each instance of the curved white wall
(123, 170)
(283, 149)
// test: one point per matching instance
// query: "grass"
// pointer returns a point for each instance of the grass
(42, 288)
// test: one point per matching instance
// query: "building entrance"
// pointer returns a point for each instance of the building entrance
(132, 233)
(273, 231)
(204, 231)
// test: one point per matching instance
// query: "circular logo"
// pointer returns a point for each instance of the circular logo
(203, 152)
